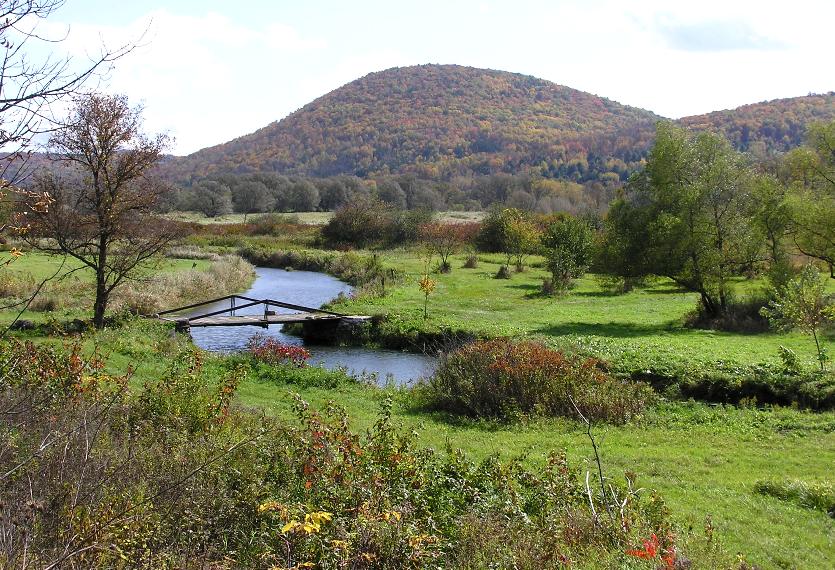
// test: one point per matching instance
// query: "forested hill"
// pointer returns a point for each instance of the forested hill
(437, 122)
(777, 125)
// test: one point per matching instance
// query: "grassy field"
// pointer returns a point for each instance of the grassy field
(646, 320)
(704, 459)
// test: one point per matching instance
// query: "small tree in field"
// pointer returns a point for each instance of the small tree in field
(803, 304)
(568, 245)
(522, 239)
(446, 239)
(106, 220)
(509, 231)
(427, 286)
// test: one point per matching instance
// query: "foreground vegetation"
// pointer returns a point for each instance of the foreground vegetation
(711, 464)
(714, 466)
(174, 475)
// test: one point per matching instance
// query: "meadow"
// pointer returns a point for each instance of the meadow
(649, 320)
(706, 460)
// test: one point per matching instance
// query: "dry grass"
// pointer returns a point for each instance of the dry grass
(228, 274)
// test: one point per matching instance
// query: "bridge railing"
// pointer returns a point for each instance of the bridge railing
(250, 303)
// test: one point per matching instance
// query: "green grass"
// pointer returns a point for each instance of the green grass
(40, 266)
(647, 320)
(703, 459)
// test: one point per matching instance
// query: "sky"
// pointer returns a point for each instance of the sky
(208, 71)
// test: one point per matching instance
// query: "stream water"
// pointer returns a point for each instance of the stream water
(310, 289)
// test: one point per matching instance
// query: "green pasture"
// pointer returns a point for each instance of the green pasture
(649, 319)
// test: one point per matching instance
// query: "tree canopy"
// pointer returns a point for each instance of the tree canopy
(688, 216)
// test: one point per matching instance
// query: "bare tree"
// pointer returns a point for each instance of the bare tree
(104, 218)
(30, 87)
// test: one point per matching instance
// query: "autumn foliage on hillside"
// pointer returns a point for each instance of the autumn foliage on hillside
(441, 121)
(778, 125)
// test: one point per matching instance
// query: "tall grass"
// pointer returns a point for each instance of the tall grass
(228, 274)
(817, 496)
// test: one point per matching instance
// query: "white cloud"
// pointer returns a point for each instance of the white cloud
(201, 78)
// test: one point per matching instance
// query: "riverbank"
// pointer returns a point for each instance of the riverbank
(66, 290)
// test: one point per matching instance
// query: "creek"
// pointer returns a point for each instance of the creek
(311, 289)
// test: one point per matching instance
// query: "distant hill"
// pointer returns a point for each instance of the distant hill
(777, 125)
(440, 121)
(443, 122)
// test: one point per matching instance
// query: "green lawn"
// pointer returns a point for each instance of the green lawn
(646, 320)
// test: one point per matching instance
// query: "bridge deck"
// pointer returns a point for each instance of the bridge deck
(252, 320)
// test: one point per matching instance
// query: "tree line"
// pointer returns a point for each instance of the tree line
(265, 192)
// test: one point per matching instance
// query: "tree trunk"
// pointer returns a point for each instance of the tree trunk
(710, 306)
(100, 305)
(101, 302)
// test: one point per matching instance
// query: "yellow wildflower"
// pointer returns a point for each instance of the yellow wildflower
(391, 515)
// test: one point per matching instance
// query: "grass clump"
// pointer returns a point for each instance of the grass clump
(500, 378)
(817, 496)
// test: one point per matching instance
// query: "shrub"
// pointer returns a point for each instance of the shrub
(568, 245)
(730, 382)
(271, 351)
(804, 304)
(445, 239)
(499, 378)
(369, 223)
(471, 262)
(43, 304)
(351, 267)
(740, 315)
(359, 224)
(503, 272)
(273, 224)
